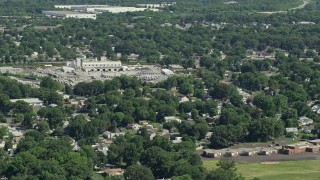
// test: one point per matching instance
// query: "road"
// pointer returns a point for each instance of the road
(305, 2)
(301, 6)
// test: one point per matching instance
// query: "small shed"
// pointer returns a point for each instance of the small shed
(265, 152)
(231, 153)
(315, 142)
(210, 153)
(313, 149)
(247, 152)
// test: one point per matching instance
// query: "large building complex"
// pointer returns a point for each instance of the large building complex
(104, 8)
(119, 9)
(93, 65)
(69, 14)
(78, 6)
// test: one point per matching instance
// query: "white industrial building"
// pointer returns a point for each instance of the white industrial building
(78, 6)
(119, 9)
(88, 8)
(167, 72)
(102, 8)
(69, 14)
(93, 65)
(161, 5)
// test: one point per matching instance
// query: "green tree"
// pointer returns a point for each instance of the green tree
(22, 107)
(223, 91)
(159, 161)
(138, 172)
(49, 83)
(226, 171)
(77, 127)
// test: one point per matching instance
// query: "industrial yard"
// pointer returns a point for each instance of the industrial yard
(146, 73)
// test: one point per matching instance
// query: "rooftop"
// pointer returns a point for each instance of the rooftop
(28, 100)
(64, 12)
(116, 171)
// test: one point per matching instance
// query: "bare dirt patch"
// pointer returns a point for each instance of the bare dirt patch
(270, 162)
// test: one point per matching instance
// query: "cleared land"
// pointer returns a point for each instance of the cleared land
(293, 170)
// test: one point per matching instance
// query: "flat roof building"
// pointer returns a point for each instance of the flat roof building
(93, 65)
(167, 72)
(119, 9)
(78, 6)
(69, 14)
(31, 101)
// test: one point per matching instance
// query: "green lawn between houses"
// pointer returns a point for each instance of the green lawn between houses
(291, 170)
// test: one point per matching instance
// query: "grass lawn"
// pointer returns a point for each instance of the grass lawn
(293, 170)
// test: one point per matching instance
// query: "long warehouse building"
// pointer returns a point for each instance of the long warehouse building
(69, 14)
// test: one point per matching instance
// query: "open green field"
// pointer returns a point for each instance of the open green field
(293, 170)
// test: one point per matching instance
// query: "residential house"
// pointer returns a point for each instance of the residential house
(177, 140)
(183, 99)
(308, 129)
(134, 126)
(316, 108)
(176, 67)
(114, 172)
(150, 128)
(208, 135)
(110, 135)
(172, 118)
(133, 56)
(293, 130)
(143, 122)
(152, 135)
(304, 121)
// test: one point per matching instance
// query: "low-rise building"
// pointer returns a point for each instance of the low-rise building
(143, 122)
(210, 153)
(304, 121)
(31, 101)
(167, 72)
(111, 135)
(231, 153)
(293, 149)
(69, 14)
(176, 67)
(313, 149)
(121, 9)
(93, 65)
(293, 130)
(134, 126)
(183, 99)
(315, 142)
(265, 151)
(114, 172)
(247, 152)
(172, 118)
